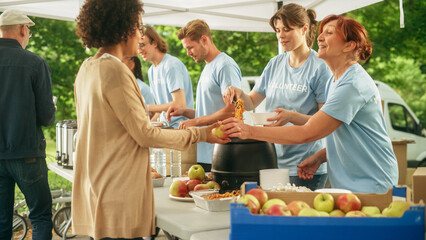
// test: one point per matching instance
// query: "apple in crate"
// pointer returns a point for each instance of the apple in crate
(355, 213)
(324, 202)
(196, 172)
(261, 195)
(296, 206)
(337, 213)
(251, 202)
(396, 209)
(308, 212)
(348, 202)
(278, 210)
(270, 202)
(192, 183)
(370, 210)
(178, 189)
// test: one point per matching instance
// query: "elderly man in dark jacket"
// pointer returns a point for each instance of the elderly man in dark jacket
(25, 105)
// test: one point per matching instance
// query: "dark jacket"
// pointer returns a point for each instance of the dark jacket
(25, 101)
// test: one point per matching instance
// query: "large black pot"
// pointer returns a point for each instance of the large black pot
(240, 160)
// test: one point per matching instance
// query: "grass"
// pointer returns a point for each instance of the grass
(55, 181)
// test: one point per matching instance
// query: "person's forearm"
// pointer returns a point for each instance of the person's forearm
(321, 155)
(155, 108)
(299, 118)
(189, 113)
(212, 118)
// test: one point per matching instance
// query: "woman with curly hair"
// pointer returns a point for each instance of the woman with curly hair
(358, 150)
(112, 187)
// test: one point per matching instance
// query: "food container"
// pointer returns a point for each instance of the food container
(158, 182)
(259, 119)
(240, 161)
(214, 205)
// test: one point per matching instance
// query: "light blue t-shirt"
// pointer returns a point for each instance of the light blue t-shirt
(147, 96)
(170, 75)
(359, 153)
(216, 77)
(295, 89)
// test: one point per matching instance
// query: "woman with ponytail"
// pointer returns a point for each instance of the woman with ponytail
(358, 150)
(293, 84)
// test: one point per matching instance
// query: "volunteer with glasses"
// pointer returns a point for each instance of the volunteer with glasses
(25, 106)
(168, 78)
(113, 195)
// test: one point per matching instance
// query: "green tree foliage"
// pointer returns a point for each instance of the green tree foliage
(56, 42)
(398, 53)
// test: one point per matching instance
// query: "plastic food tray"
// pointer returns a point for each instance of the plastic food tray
(158, 182)
(214, 205)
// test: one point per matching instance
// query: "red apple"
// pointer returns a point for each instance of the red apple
(355, 213)
(348, 202)
(296, 206)
(251, 202)
(278, 210)
(261, 195)
(271, 202)
(196, 172)
(192, 183)
(178, 189)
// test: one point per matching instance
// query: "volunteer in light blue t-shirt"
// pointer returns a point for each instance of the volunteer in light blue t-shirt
(360, 146)
(299, 90)
(358, 150)
(220, 72)
(293, 86)
(146, 92)
(168, 78)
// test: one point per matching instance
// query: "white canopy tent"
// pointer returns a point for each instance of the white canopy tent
(232, 15)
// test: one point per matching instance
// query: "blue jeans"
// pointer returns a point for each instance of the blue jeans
(317, 182)
(31, 177)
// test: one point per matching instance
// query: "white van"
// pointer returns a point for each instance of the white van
(400, 120)
(403, 123)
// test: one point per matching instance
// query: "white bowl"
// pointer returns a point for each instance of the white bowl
(332, 190)
(260, 118)
(158, 182)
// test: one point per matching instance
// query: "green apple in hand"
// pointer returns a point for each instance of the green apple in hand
(324, 202)
(196, 172)
(218, 132)
(370, 210)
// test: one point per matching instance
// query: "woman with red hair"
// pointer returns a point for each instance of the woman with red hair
(358, 150)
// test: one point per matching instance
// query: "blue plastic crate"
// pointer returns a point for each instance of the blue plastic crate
(247, 226)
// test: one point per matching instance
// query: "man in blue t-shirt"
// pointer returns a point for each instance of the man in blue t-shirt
(168, 78)
(220, 72)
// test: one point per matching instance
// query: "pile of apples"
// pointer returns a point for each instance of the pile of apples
(196, 182)
(348, 205)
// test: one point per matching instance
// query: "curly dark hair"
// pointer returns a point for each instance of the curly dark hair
(103, 23)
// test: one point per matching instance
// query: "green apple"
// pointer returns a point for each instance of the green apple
(378, 215)
(296, 206)
(337, 213)
(196, 172)
(324, 202)
(370, 210)
(308, 212)
(213, 185)
(323, 214)
(396, 209)
(270, 202)
(218, 132)
(355, 213)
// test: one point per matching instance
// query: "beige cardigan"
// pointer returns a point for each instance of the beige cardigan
(112, 193)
